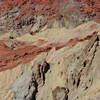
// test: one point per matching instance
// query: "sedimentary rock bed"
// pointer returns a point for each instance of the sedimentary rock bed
(49, 50)
(50, 67)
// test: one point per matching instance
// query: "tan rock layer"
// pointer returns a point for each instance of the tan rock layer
(9, 58)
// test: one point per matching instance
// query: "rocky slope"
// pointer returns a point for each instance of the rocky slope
(20, 16)
(58, 58)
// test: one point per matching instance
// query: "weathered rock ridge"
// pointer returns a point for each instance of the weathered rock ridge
(49, 49)
(56, 64)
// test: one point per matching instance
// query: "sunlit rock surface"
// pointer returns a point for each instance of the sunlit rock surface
(49, 50)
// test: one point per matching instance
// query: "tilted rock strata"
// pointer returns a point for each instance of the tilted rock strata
(68, 65)
(19, 52)
(65, 74)
(18, 14)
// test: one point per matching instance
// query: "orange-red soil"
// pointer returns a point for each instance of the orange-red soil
(23, 52)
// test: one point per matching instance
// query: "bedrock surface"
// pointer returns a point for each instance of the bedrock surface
(56, 64)
(49, 49)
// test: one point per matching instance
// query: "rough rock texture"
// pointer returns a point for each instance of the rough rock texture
(30, 16)
(60, 93)
(68, 67)
(59, 58)
(91, 8)
(26, 91)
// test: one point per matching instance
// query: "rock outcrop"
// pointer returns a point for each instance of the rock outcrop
(58, 58)
(56, 64)
(30, 16)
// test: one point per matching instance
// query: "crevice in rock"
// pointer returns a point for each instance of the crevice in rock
(35, 92)
(78, 82)
(84, 64)
(45, 69)
(74, 82)
(97, 44)
(86, 88)
(42, 70)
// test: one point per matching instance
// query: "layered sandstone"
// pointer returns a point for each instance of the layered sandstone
(58, 58)
(60, 61)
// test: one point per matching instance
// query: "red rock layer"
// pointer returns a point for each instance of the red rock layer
(14, 14)
(26, 9)
(32, 7)
(45, 6)
(10, 58)
(91, 8)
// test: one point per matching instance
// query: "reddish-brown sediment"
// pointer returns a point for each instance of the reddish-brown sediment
(11, 57)
(91, 8)
(49, 8)
(21, 52)
(22, 13)
(27, 8)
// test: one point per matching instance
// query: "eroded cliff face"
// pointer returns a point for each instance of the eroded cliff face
(58, 58)
(56, 64)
